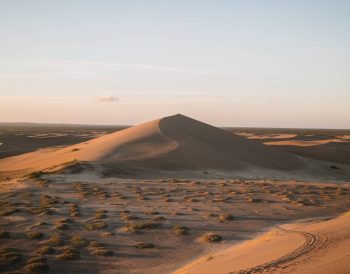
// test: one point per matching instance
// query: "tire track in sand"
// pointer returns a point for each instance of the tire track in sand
(313, 241)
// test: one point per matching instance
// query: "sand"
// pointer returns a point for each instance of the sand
(305, 143)
(316, 247)
(171, 143)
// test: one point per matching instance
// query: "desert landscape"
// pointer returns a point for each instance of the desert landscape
(174, 195)
(174, 137)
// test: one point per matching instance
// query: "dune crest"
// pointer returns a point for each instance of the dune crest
(171, 143)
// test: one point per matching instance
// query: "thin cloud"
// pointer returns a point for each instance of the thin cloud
(118, 66)
(108, 99)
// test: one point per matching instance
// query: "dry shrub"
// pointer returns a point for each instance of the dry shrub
(210, 237)
(180, 230)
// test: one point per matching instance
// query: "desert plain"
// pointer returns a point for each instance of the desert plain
(173, 195)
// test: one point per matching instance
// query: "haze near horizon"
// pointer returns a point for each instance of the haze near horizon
(228, 63)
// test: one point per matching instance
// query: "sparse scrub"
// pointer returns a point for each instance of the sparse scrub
(135, 227)
(77, 241)
(34, 235)
(55, 240)
(210, 237)
(180, 230)
(45, 250)
(9, 257)
(144, 245)
(96, 225)
(35, 267)
(225, 217)
(62, 226)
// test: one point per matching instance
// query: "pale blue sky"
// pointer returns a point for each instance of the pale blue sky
(234, 63)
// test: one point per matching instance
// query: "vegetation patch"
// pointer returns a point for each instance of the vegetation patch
(45, 250)
(96, 225)
(180, 230)
(34, 235)
(144, 245)
(9, 257)
(210, 237)
(225, 217)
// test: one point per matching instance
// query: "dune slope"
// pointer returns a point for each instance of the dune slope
(320, 247)
(171, 143)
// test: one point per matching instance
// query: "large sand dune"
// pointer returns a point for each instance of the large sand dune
(171, 143)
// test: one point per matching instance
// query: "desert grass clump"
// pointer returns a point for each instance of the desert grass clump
(180, 230)
(144, 245)
(128, 217)
(102, 252)
(225, 217)
(135, 227)
(55, 240)
(34, 235)
(38, 259)
(36, 265)
(97, 249)
(44, 250)
(9, 257)
(210, 237)
(35, 268)
(151, 212)
(62, 226)
(74, 210)
(96, 225)
(77, 241)
(100, 215)
(69, 254)
(159, 218)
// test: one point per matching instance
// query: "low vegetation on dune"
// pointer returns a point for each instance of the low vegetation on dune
(96, 225)
(210, 237)
(67, 224)
(9, 257)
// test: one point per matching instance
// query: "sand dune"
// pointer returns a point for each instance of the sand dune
(171, 143)
(319, 247)
(304, 143)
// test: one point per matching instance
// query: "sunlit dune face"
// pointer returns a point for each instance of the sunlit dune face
(266, 136)
(303, 143)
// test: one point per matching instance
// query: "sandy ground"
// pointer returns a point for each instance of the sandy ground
(135, 212)
(312, 247)
(111, 204)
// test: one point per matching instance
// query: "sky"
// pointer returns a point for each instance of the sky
(229, 63)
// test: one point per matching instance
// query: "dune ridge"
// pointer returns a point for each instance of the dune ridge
(171, 143)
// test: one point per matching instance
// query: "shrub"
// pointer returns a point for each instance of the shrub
(144, 245)
(62, 226)
(9, 257)
(77, 241)
(134, 227)
(210, 237)
(225, 217)
(102, 252)
(72, 256)
(55, 240)
(35, 267)
(45, 250)
(180, 230)
(34, 235)
(96, 225)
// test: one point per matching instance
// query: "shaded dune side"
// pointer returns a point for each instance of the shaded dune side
(203, 145)
(171, 143)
